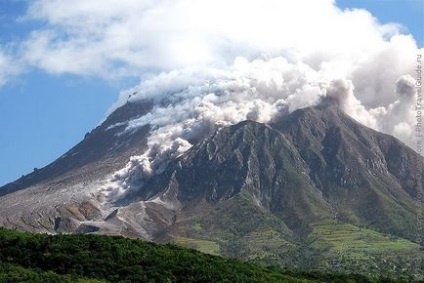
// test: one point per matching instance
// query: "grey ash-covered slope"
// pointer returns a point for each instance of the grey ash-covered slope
(100, 152)
(250, 190)
(61, 195)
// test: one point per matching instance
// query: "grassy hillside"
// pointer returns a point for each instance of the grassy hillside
(26, 257)
(239, 228)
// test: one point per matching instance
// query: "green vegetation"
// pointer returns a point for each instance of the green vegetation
(345, 247)
(13, 273)
(356, 241)
(203, 246)
(241, 229)
(26, 257)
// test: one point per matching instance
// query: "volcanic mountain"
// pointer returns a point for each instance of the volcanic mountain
(304, 190)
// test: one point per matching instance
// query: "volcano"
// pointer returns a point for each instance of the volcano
(309, 189)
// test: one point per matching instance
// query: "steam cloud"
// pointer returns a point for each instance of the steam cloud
(191, 103)
(212, 63)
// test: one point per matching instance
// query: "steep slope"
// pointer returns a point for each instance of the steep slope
(40, 200)
(250, 160)
(102, 150)
(369, 178)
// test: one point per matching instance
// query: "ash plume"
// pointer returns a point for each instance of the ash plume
(189, 104)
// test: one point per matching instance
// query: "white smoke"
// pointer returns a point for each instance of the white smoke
(190, 103)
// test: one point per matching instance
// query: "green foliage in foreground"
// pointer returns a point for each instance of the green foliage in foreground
(13, 273)
(26, 257)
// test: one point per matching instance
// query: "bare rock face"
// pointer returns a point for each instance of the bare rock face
(84, 211)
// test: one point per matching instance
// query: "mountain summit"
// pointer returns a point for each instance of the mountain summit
(298, 187)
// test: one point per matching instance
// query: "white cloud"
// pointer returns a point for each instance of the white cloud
(9, 67)
(127, 36)
(3, 68)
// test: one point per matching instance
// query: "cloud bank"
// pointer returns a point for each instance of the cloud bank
(124, 37)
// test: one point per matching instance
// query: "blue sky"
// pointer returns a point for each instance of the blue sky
(47, 106)
(409, 13)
